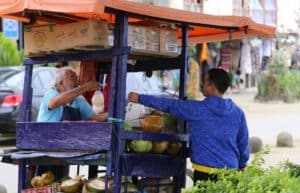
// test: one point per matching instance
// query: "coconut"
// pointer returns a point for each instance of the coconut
(173, 148)
(141, 146)
(95, 186)
(152, 123)
(71, 186)
(159, 146)
(170, 122)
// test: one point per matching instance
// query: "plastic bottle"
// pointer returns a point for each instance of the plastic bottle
(98, 102)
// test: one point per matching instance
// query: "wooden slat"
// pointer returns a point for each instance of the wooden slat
(61, 136)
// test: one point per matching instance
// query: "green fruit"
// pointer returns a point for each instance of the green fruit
(140, 146)
(170, 122)
(96, 186)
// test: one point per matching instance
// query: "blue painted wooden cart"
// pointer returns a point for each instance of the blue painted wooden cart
(91, 143)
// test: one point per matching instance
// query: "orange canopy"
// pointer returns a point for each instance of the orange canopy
(203, 28)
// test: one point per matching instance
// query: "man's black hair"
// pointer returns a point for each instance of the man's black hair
(219, 78)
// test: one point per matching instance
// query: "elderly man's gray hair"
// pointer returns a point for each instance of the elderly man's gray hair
(60, 74)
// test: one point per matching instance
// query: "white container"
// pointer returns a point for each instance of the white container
(98, 102)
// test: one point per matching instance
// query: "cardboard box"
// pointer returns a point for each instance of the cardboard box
(39, 39)
(137, 37)
(84, 34)
(54, 188)
(168, 41)
(153, 39)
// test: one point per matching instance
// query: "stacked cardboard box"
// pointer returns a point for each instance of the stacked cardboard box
(137, 38)
(153, 34)
(39, 39)
(168, 41)
(152, 40)
(89, 33)
(97, 34)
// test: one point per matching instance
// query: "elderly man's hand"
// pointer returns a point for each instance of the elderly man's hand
(92, 85)
(133, 97)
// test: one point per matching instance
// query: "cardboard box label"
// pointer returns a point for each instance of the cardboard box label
(168, 41)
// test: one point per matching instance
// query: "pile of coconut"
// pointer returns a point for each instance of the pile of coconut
(156, 122)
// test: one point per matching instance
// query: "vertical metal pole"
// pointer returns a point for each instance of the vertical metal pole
(21, 176)
(25, 110)
(179, 181)
(21, 36)
(113, 89)
(121, 98)
(112, 102)
(27, 95)
(184, 61)
(25, 116)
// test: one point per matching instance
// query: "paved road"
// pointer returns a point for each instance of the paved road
(264, 120)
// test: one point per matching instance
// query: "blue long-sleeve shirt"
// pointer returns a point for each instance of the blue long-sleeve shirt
(217, 127)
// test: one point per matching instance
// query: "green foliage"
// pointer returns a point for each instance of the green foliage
(257, 178)
(278, 82)
(9, 54)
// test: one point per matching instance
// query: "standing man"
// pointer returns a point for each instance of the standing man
(65, 100)
(217, 126)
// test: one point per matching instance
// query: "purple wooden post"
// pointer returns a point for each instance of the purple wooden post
(21, 175)
(121, 98)
(25, 116)
(113, 88)
(27, 94)
(179, 181)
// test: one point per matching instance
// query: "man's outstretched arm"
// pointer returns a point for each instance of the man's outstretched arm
(67, 96)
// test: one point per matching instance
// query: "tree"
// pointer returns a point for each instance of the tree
(9, 53)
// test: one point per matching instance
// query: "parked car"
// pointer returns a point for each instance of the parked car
(11, 88)
(6, 71)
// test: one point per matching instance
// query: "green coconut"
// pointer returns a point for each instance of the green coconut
(96, 186)
(141, 146)
(71, 186)
(170, 122)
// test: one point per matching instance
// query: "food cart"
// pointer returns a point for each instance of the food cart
(103, 143)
